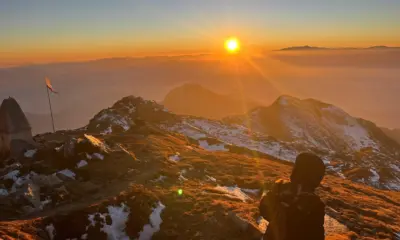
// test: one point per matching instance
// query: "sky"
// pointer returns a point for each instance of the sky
(52, 30)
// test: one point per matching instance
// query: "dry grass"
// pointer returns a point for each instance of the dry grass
(201, 212)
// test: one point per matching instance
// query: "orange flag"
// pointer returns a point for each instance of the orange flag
(49, 86)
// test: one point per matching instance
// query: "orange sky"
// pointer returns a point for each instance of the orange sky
(37, 32)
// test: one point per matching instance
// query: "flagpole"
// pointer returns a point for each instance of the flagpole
(51, 110)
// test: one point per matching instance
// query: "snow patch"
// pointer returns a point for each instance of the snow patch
(30, 153)
(234, 135)
(45, 202)
(91, 220)
(81, 163)
(181, 177)
(155, 222)
(107, 131)
(68, 173)
(3, 192)
(250, 191)
(98, 156)
(119, 217)
(397, 235)
(50, 231)
(394, 167)
(216, 147)
(161, 178)
(375, 176)
(175, 158)
(58, 149)
(211, 178)
(13, 175)
(116, 120)
(233, 192)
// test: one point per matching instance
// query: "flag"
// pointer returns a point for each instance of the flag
(49, 86)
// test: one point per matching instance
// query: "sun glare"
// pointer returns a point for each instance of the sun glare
(232, 45)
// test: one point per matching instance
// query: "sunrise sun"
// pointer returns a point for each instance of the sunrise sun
(232, 45)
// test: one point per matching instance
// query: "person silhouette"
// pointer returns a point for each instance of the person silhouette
(293, 210)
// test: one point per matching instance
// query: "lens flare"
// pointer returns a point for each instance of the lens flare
(180, 192)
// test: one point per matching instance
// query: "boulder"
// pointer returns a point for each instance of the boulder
(90, 144)
(18, 147)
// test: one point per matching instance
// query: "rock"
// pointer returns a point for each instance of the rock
(69, 147)
(18, 147)
(47, 180)
(12, 175)
(238, 221)
(30, 153)
(91, 144)
(3, 192)
(32, 193)
(66, 175)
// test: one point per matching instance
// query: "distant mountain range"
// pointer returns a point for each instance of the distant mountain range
(307, 47)
(196, 100)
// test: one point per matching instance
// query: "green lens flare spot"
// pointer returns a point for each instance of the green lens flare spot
(180, 191)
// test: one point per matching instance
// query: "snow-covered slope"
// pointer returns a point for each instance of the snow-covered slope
(351, 143)
(316, 123)
(353, 148)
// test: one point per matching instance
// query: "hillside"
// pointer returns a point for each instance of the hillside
(354, 147)
(137, 171)
(195, 100)
(392, 133)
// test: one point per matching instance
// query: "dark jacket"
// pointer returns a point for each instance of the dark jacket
(292, 214)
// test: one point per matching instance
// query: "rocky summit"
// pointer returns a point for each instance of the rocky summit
(138, 171)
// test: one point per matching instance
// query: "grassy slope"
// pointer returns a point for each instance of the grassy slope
(201, 212)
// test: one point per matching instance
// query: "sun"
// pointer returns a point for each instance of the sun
(232, 45)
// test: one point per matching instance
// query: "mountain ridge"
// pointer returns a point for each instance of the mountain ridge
(196, 100)
(136, 161)
(308, 47)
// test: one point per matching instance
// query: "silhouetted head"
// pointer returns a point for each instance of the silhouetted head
(309, 170)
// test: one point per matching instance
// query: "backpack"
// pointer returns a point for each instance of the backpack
(291, 213)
